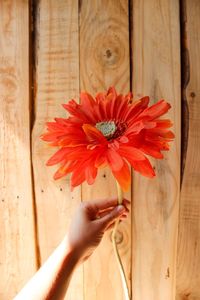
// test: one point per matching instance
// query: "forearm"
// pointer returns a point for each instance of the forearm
(52, 279)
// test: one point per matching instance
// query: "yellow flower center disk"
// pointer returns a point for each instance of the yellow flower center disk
(106, 128)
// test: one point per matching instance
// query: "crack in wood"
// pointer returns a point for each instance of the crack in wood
(185, 78)
(32, 44)
(130, 19)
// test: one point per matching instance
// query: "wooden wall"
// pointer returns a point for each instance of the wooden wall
(49, 51)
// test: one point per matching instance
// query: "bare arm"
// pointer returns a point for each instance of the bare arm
(90, 222)
(52, 279)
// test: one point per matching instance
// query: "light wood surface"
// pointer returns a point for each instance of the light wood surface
(56, 81)
(156, 72)
(17, 241)
(48, 54)
(104, 61)
(188, 259)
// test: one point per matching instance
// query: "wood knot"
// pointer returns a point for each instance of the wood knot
(111, 57)
(109, 51)
(118, 237)
(192, 94)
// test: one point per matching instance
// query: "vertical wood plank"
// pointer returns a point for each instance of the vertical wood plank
(17, 244)
(104, 61)
(56, 81)
(156, 72)
(188, 262)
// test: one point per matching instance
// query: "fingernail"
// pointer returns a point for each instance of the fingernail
(120, 208)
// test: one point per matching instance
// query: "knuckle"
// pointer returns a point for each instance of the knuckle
(84, 205)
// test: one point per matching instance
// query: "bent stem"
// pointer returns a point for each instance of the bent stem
(118, 258)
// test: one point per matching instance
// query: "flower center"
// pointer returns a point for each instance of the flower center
(106, 128)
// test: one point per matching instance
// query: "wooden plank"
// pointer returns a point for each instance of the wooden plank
(56, 81)
(104, 61)
(188, 261)
(156, 72)
(17, 244)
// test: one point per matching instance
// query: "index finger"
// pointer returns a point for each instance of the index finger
(101, 204)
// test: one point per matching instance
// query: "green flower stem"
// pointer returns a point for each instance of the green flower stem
(118, 258)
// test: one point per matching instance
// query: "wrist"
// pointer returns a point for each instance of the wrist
(71, 252)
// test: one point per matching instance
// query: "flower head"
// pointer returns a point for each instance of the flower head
(108, 130)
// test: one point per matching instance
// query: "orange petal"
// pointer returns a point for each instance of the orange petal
(159, 134)
(90, 173)
(51, 136)
(156, 110)
(129, 96)
(87, 105)
(58, 156)
(112, 90)
(86, 99)
(93, 134)
(78, 176)
(135, 128)
(123, 177)
(100, 97)
(55, 126)
(137, 160)
(131, 153)
(74, 109)
(64, 170)
(163, 123)
(143, 167)
(135, 109)
(151, 149)
(101, 160)
(114, 159)
(120, 107)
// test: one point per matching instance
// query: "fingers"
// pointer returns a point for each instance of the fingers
(125, 203)
(111, 216)
(111, 226)
(102, 204)
(102, 213)
(112, 223)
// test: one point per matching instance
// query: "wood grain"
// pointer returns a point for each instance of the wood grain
(185, 77)
(84, 45)
(56, 81)
(17, 242)
(104, 61)
(156, 72)
(188, 259)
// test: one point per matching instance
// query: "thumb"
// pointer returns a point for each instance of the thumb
(111, 216)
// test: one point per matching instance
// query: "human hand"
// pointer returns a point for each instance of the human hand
(90, 222)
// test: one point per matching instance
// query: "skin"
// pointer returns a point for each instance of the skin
(90, 222)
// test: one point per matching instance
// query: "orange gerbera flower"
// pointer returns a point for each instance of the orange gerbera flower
(108, 130)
